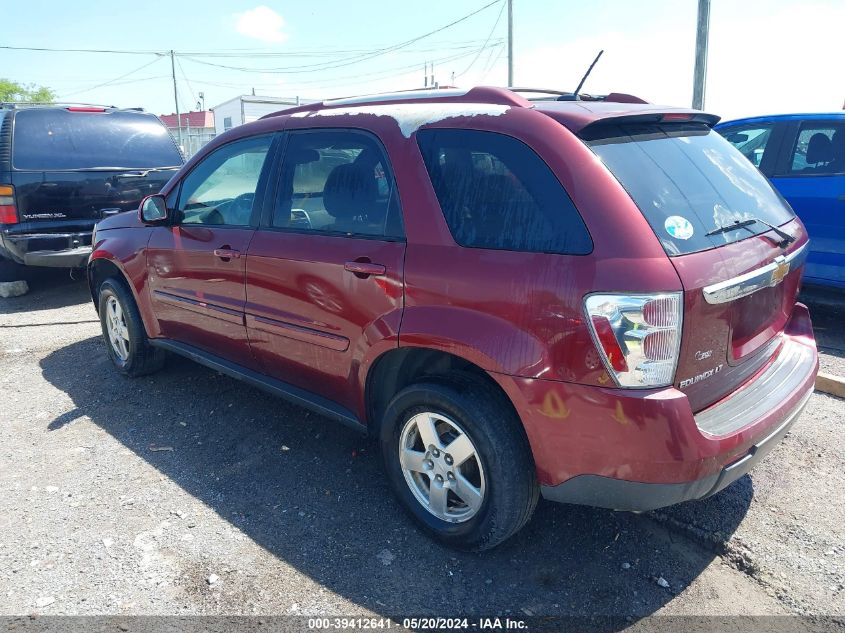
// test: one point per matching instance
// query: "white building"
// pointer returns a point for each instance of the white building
(248, 108)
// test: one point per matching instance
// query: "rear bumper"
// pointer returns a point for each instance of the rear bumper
(642, 450)
(618, 494)
(57, 250)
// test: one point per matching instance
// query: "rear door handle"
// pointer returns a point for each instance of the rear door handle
(365, 269)
(226, 253)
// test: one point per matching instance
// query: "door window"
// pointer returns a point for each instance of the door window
(221, 189)
(751, 141)
(337, 181)
(819, 150)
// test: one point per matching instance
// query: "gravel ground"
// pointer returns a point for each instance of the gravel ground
(187, 492)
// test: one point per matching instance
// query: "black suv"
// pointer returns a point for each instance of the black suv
(64, 168)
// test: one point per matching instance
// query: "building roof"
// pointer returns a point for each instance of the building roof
(203, 118)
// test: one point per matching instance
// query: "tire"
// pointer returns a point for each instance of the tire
(501, 470)
(134, 356)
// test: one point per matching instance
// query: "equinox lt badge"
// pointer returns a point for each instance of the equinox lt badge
(702, 376)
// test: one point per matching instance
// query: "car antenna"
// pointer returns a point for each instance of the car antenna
(586, 74)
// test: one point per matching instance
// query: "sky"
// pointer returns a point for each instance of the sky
(765, 56)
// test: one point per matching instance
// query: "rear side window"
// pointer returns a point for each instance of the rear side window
(48, 139)
(688, 181)
(819, 150)
(496, 193)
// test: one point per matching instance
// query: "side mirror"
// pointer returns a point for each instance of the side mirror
(153, 209)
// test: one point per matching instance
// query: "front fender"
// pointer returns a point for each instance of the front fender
(127, 256)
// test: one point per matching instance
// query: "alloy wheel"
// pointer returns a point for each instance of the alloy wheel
(442, 467)
(117, 329)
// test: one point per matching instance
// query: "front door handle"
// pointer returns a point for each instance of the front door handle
(226, 253)
(365, 269)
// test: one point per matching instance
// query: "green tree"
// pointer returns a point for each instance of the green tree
(15, 91)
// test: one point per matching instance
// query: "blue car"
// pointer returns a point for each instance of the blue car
(804, 157)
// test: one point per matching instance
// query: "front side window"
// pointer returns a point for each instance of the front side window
(221, 189)
(819, 150)
(750, 141)
(337, 181)
(496, 193)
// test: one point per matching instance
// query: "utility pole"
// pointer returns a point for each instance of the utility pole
(510, 42)
(701, 37)
(176, 98)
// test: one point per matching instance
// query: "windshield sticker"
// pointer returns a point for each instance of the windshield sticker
(679, 227)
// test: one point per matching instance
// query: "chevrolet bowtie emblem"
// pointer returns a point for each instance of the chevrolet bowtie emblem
(780, 272)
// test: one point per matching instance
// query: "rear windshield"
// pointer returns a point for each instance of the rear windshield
(688, 181)
(52, 140)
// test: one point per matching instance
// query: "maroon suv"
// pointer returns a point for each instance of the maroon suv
(592, 300)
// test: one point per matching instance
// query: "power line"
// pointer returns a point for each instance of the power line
(469, 44)
(384, 73)
(483, 46)
(434, 46)
(246, 53)
(185, 77)
(112, 81)
(79, 50)
(491, 65)
(358, 56)
(308, 68)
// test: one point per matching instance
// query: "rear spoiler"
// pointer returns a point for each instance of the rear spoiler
(671, 117)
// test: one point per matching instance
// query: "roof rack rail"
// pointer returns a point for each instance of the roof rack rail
(561, 95)
(445, 94)
(545, 91)
(449, 94)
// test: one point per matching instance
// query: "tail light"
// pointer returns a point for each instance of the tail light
(638, 336)
(8, 210)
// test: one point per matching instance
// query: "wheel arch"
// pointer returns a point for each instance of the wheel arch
(101, 268)
(98, 271)
(397, 368)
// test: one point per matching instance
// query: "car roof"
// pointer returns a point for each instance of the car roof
(798, 116)
(574, 114)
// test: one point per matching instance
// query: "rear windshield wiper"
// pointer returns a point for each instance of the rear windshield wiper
(786, 238)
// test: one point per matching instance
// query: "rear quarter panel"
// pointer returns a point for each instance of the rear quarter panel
(521, 313)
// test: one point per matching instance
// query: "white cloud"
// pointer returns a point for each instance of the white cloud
(261, 23)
